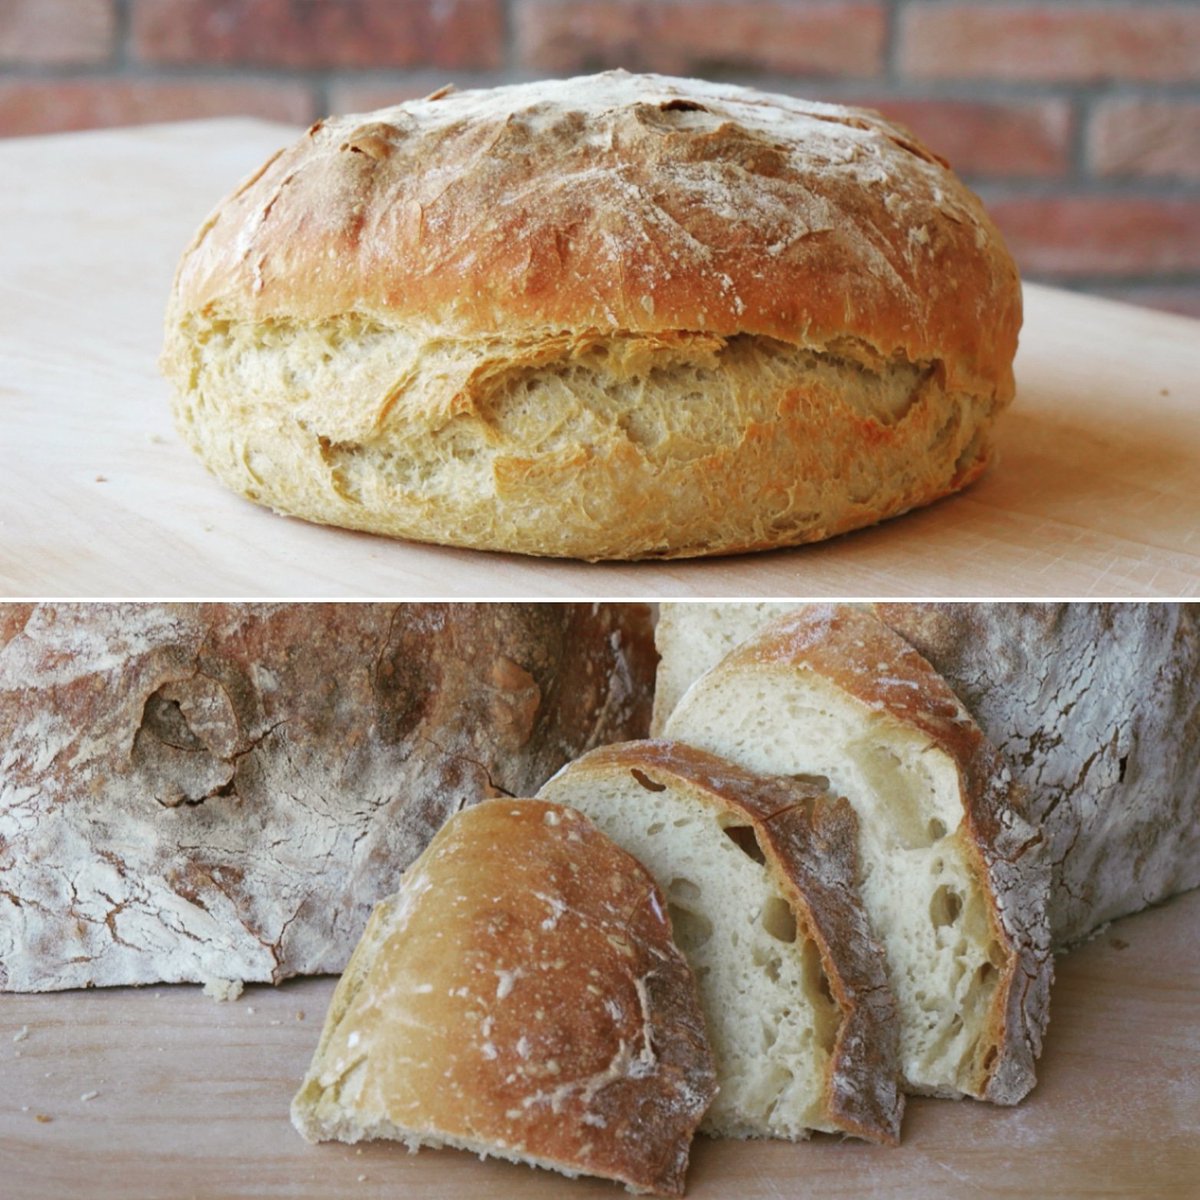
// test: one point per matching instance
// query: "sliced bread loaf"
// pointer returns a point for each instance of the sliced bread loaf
(519, 997)
(1095, 706)
(760, 878)
(950, 878)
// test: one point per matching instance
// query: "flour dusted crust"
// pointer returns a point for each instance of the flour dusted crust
(856, 661)
(190, 792)
(808, 841)
(519, 997)
(1095, 707)
(610, 317)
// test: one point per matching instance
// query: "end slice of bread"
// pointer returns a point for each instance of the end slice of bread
(520, 997)
(951, 877)
(759, 876)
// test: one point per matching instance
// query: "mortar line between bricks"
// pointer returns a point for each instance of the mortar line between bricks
(1001, 187)
(1082, 107)
(891, 35)
(319, 94)
(508, 34)
(122, 34)
(1084, 5)
(983, 91)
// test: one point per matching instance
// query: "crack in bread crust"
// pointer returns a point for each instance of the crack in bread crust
(620, 445)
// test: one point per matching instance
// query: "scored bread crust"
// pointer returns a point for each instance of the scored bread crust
(564, 205)
(520, 997)
(868, 661)
(641, 232)
(196, 791)
(809, 841)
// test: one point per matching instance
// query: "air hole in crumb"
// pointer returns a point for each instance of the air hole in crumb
(770, 964)
(743, 837)
(937, 830)
(682, 106)
(995, 954)
(779, 920)
(945, 906)
(683, 889)
(989, 1058)
(647, 782)
(823, 984)
(657, 827)
(691, 930)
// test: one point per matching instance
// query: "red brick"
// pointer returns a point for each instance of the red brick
(1057, 43)
(321, 33)
(1013, 138)
(1100, 235)
(701, 37)
(56, 32)
(1150, 138)
(29, 106)
(1181, 298)
(364, 96)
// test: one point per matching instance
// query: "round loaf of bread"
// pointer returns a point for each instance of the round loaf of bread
(620, 316)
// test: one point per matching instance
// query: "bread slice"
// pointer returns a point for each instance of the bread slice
(1095, 707)
(692, 638)
(519, 997)
(760, 879)
(951, 877)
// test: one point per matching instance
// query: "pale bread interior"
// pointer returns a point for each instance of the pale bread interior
(919, 884)
(692, 638)
(771, 1019)
(410, 432)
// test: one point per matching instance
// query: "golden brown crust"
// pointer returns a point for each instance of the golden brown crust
(868, 660)
(620, 202)
(610, 317)
(809, 841)
(522, 996)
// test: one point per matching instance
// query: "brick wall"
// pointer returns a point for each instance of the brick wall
(1078, 120)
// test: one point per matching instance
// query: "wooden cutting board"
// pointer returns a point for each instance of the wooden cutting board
(1097, 492)
(191, 1100)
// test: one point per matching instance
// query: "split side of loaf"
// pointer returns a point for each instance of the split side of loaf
(1094, 706)
(190, 792)
(952, 879)
(520, 997)
(619, 316)
(760, 875)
